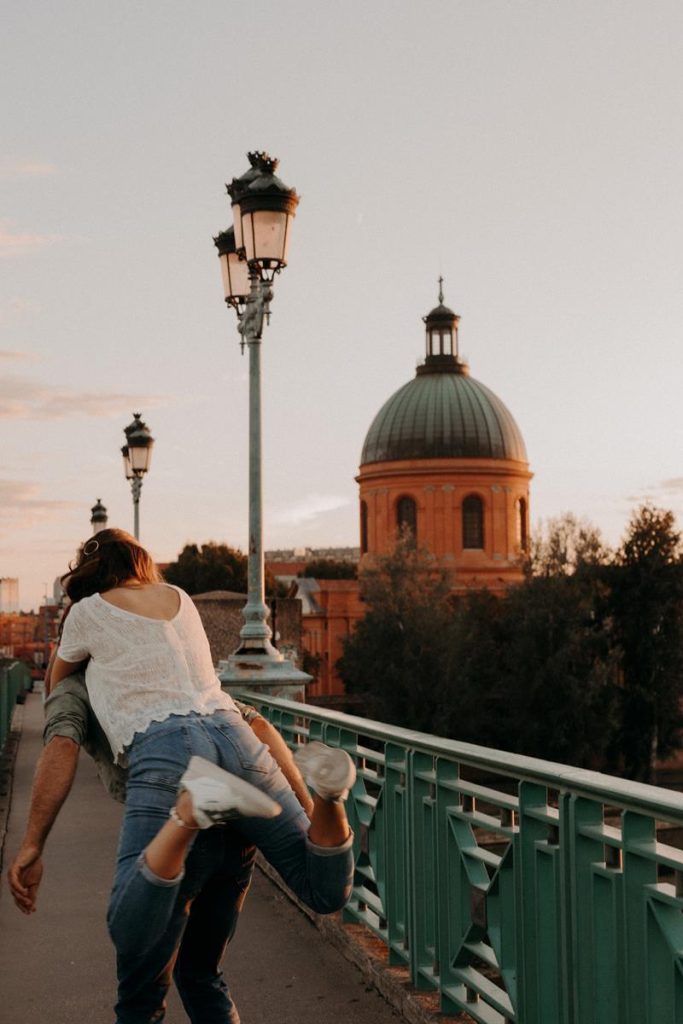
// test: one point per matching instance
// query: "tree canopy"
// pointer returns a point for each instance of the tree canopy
(330, 569)
(209, 567)
(646, 589)
(581, 663)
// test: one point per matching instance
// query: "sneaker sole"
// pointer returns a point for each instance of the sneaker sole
(199, 768)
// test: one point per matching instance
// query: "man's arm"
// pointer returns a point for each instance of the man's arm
(52, 781)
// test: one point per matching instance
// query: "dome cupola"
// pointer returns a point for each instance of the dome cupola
(444, 462)
(443, 413)
(442, 352)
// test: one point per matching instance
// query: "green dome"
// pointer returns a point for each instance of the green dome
(443, 415)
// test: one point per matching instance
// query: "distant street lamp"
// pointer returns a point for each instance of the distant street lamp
(137, 456)
(98, 516)
(251, 253)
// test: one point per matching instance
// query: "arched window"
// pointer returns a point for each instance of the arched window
(473, 522)
(406, 517)
(363, 527)
(522, 524)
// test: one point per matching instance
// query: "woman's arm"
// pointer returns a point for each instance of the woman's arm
(269, 735)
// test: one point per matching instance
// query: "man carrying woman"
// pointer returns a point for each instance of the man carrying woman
(202, 789)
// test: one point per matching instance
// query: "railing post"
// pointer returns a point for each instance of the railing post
(395, 837)
(423, 923)
(639, 872)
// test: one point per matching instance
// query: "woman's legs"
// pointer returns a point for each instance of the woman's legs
(317, 866)
(314, 857)
(329, 824)
(165, 854)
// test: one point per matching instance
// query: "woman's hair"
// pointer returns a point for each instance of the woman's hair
(106, 560)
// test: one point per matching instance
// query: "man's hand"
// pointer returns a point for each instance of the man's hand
(52, 781)
(24, 877)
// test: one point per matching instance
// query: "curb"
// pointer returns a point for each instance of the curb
(369, 954)
(7, 760)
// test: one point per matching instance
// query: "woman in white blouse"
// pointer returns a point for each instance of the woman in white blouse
(193, 762)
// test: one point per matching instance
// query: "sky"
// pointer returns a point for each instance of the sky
(531, 152)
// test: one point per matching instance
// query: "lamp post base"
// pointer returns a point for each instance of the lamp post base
(271, 673)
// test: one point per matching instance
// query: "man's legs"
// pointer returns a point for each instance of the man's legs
(209, 900)
(211, 925)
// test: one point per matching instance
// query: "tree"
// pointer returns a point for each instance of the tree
(209, 567)
(398, 650)
(647, 607)
(330, 569)
(565, 544)
(533, 672)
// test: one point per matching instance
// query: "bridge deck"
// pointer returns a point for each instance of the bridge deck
(58, 964)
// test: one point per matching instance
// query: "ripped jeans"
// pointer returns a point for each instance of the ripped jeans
(180, 926)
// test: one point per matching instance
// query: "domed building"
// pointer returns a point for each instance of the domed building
(445, 461)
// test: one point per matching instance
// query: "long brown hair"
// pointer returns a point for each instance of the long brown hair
(104, 561)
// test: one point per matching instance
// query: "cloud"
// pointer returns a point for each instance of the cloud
(21, 398)
(22, 505)
(19, 244)
(25, 169)
(672, 486)
(308, 508)
(654, 492)
(7, 356)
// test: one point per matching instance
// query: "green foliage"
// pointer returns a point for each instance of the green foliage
(564, 544)
(646, 583)
(582, 663)
(209, 567)
(535, 671)
(330, 569)
(400, 644)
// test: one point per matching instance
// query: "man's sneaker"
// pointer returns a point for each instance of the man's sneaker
(218, 796)
(329, 771)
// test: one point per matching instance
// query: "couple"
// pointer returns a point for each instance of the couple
(202, 789)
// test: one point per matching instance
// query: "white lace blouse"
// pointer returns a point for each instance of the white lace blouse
(141, 670)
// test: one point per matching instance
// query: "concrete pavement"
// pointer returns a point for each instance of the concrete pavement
(58, 964)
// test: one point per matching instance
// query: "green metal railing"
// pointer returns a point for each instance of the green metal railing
(522, 890)
(15, 679)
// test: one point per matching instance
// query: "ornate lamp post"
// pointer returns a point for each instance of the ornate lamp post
(137, 456)
(251, 253)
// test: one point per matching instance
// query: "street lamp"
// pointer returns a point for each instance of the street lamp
(98, 516)
(251, 253)
(137, 456)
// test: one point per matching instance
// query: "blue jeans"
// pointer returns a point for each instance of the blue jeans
(188, 920)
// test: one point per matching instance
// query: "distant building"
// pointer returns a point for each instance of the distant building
(286, 563)
(17, 633)
(9, 594)
(222, 618)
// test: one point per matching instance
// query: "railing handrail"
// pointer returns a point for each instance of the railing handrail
(610, 789)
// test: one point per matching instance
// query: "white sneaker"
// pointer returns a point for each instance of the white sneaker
(219, 796)
(329, 771)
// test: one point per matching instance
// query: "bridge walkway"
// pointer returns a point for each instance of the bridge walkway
(58, 964)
